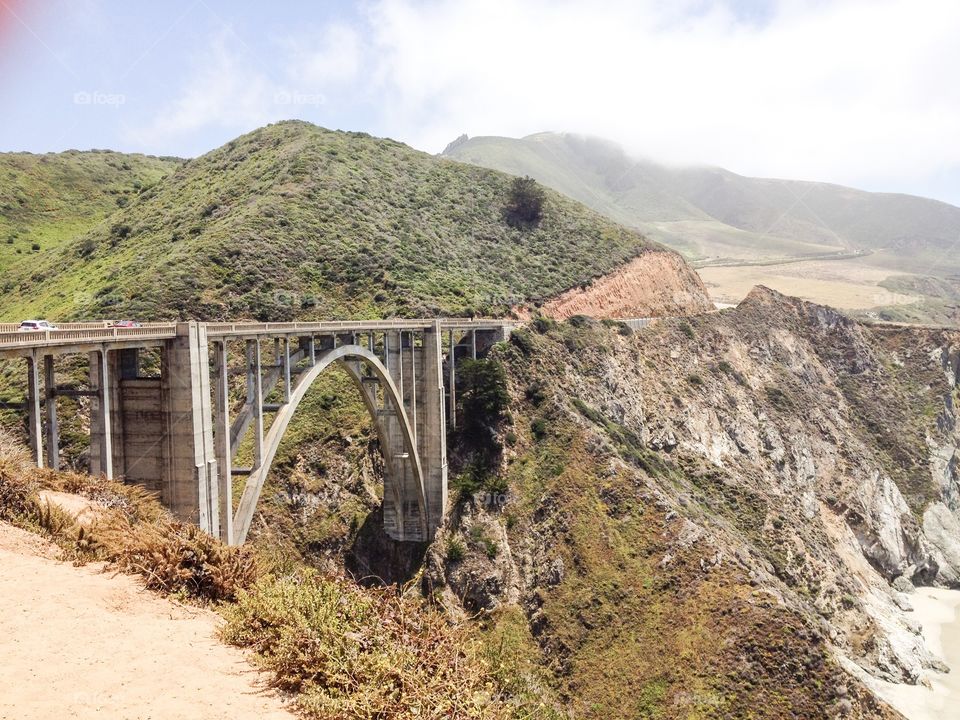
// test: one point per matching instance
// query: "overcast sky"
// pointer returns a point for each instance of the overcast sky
(860, 92)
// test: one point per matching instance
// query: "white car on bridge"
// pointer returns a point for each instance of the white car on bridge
(35, 326)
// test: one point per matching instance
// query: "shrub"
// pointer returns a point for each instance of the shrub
(483, 397)
(543, 324)
(17, 489)
(174, 557)
(539, 428)
(35, 247)
(482, 400)
(521, 339)
(525, 203)
(455, 550)
(353, 653)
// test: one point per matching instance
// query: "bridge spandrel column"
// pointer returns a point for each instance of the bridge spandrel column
(33, 411)
(432, 436)
(395, 486)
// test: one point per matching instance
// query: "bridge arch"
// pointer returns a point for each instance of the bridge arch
(351, 358)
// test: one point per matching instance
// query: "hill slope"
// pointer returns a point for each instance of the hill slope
(47, 200)
(296, 221)
(713, 214)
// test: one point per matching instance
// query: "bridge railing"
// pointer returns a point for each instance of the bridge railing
(242, 328)
(51, 337)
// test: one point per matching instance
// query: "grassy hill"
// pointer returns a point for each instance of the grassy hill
(293, 220)
(711, 214)
(48, 200)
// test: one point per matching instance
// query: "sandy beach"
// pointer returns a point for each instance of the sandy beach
(938, 611)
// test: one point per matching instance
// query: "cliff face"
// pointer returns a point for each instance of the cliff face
(655, 284)
(720, 514)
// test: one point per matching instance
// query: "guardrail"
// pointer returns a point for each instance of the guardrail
(325, 326)
(99, 325)
(38, 338)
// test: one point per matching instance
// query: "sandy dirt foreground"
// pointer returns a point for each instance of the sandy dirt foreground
(82, 643)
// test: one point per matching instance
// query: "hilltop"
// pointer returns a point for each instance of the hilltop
(293, 220)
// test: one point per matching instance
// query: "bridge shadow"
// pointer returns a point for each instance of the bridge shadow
(376, 559)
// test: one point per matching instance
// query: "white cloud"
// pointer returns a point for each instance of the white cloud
(331, 57)
(226, 92)
(859, 91)
(854, 91)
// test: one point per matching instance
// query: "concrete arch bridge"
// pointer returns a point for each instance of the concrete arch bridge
(173, 432)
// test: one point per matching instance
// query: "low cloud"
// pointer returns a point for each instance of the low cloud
(853, 91)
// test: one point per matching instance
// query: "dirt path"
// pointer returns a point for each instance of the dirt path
(81, 643)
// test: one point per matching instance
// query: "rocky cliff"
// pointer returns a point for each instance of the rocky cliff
(721, 515)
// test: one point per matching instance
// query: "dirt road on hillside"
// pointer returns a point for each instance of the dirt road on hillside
(81, 643)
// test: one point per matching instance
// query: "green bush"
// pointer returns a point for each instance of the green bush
(455, 550)
(525, 204)
(482, 399)
(539, 428)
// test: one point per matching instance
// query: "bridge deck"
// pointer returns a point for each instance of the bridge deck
(83, 337)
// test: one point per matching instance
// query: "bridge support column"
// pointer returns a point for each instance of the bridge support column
(53, 426)
(452, 367)
(432, 436)
(285, 360)
(221, 436)
(417, 371)
(33, 407)
(101, 414)
(190, 465)
(255, 398)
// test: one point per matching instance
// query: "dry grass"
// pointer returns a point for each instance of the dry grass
(355, 653)
(132, 531)
(178, 558)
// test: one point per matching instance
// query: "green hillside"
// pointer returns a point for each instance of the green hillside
(295, 220)
(48, 200)
(710, 214)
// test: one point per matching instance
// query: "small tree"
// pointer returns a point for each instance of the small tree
(483, 400)
(525, 205)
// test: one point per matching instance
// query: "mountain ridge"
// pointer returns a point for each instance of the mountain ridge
(293, 220)
(710, 213)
